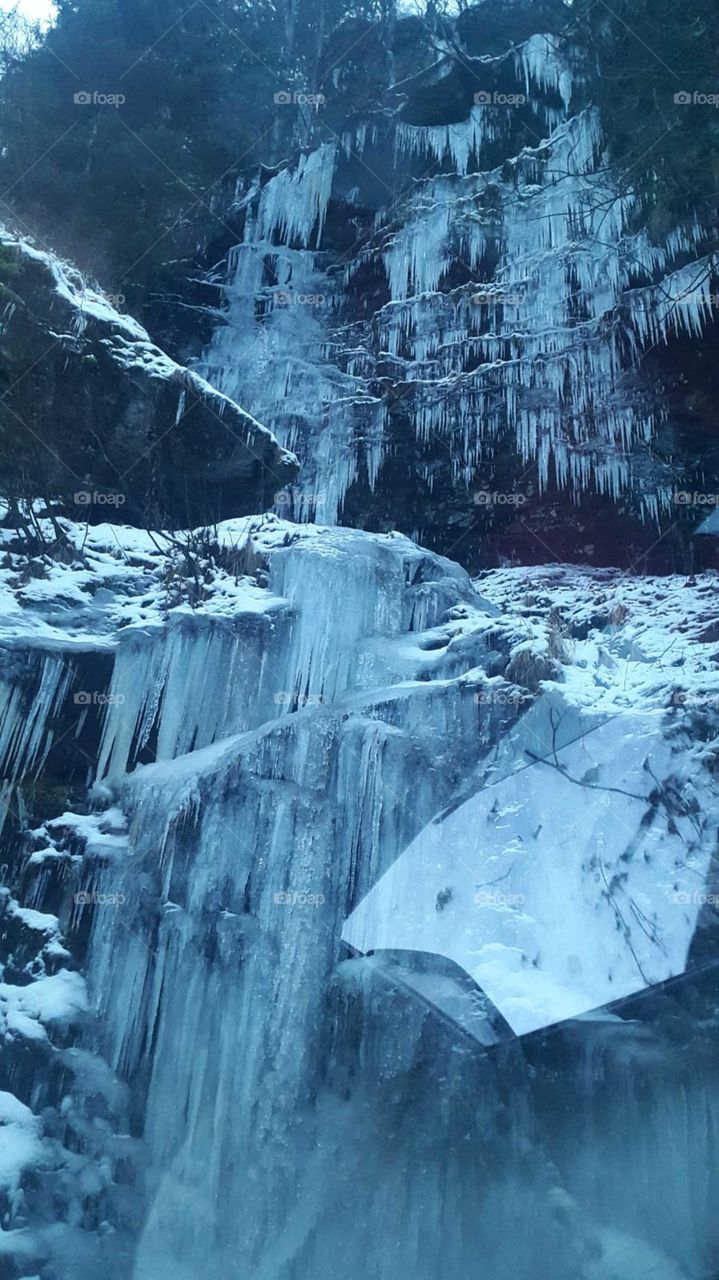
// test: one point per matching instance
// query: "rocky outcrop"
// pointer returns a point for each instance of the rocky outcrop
(97, 417)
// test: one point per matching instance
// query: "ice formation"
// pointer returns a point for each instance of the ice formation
(520, 299)
(342, 734)
(361, 713)
(524, 944)
(293, 205)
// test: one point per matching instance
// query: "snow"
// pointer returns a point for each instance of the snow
(117, 583)
(40, 920)
(101, 835)
(20, 1145)
(25, 1011)
(653, 652)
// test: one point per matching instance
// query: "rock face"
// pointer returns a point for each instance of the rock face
(96, 416)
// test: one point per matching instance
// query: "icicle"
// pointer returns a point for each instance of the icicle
(536, 347)
(294, 202)
(546, 65)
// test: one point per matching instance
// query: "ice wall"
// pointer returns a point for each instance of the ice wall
(247, 1096)
(298, 1109)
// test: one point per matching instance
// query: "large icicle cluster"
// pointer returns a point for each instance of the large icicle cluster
(543, 346)
(458, 143)
(293, 205)
(34, 687)
(545, 65)
(521, 299)
(276, 350)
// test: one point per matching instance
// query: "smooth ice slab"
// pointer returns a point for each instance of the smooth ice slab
(570, 882)
(437, 983)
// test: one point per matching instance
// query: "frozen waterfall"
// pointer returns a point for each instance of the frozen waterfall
(301, 1109)
(360, 919)
(443, 770)
(508, 300)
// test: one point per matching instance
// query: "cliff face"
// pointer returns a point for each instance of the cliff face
(452, 308)
(97, 419)
(446, 294)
